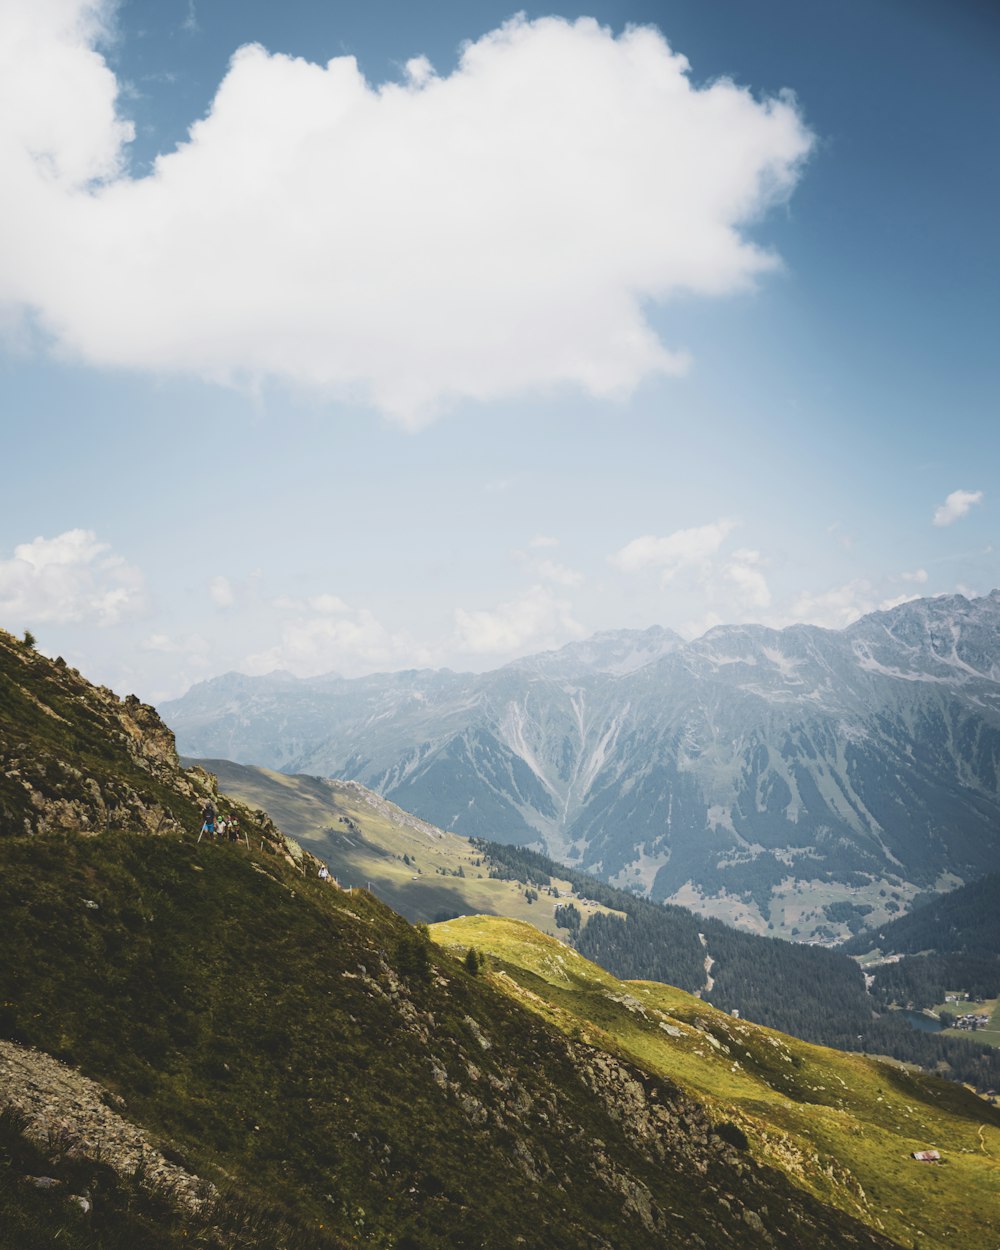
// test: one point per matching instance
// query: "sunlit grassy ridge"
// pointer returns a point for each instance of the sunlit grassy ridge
(842, 1126)
(364, 839)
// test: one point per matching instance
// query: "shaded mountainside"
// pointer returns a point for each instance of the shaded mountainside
(427, 874)
(297, 1063)
(965, 921)
(949, 945)
(306, 1047)
(769, 777)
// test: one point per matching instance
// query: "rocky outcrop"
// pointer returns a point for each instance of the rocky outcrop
(76, 758)
(76, 1117)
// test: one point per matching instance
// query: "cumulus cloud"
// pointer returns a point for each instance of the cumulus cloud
(71, 577)
(683, 549)
(956, 506)
(538, 619)
(324, 634)
(918, 575)
(743, 570)
(470, 236)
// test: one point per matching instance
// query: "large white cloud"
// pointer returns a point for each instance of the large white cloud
(71, 577)
(470, 236)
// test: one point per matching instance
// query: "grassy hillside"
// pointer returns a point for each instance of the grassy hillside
(429, 875)
(302, 1068)
(306, 1050)
(419, 870)
(841, 1125)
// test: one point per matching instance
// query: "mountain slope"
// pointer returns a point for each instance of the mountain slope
(305, 1054)
(962, 922)
(419, 870)
(843, 1126)
(763, 776)
(427, 874)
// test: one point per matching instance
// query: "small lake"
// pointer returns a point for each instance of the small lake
(917, 1020)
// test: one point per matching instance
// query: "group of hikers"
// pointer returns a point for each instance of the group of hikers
(227, 827)
(218, 826)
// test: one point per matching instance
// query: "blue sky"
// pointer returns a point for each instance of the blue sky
(554, 338)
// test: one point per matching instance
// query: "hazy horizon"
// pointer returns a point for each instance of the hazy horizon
(400, 336)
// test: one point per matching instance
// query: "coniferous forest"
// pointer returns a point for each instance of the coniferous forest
(809, 991)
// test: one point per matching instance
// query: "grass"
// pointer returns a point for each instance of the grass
(312, 1054)
(841, 1126)
(369, 851)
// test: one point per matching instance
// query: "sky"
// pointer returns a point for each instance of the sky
(368, 336)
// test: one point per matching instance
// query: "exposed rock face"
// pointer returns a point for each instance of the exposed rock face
(80, 1118)
(75, 758)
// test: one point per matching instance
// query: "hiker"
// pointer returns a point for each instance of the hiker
(324, 873)
(208, 819)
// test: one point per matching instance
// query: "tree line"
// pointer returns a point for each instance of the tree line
(811, 992)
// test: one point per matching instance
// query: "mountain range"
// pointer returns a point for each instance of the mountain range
(768, 777)
(203, 1042)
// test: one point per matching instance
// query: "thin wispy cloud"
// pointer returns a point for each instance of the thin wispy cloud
(325, 634)
(498, 230)
(537, 619)
(221, 592)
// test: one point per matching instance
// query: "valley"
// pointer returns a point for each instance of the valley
(799, 782)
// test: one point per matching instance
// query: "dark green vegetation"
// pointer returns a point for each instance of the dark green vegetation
(312, 1048)
(808, 991)
(950, 943)
(964, 922)
(339, 1079)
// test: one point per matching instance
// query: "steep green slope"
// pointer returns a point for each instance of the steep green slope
(811, 992)
(307, 1045)
(305, 1065)
(840, 1125)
